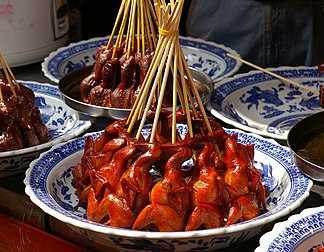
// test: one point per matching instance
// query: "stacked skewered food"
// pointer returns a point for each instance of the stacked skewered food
(120, 68)
(21, 124)
(115, 185)
(113, 179)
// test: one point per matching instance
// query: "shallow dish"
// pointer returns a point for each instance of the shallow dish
(69, 86)
(308, 159)
(62, 122)
(301, 232)
(206, 56)
(48, 184)
(259, 103)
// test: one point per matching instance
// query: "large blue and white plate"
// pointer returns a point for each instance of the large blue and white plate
(259, 103)
(205, 56)
(301, 232)
(48, 184)
(63, 123)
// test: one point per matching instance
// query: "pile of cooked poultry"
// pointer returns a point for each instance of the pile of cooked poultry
(120, 68)
(319, 249)
(114, 179)
(21, 125)
(115, 79)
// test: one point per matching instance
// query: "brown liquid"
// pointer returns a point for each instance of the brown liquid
(314, 150)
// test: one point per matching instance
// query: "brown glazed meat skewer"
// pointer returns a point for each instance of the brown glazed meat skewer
(21, 123)
(114, 179)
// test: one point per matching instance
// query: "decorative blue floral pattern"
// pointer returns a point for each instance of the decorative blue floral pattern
(206, 56)
(262, 104)
(301, 232)
(48, 184)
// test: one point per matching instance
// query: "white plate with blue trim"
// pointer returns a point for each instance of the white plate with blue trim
(259, 103)
(62, 122)
(301, 232)
(49, 185)
(205, 56)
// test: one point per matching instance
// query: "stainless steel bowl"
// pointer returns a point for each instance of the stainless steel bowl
(299, 136)
(204, 84)
(69, 86)
(70, 83)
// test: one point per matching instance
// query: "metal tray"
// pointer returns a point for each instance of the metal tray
(69, 87)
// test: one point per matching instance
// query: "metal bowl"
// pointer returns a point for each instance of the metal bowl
(70, 83)
(69, 86)
(301, 134)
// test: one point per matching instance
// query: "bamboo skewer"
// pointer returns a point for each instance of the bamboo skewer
(168, 56)
(157, 63)
(145, 87)
(161, 94)
(137, 19)
(149, 102)
(120, 12)
(130, 33)
(273, 74)
(8, 75)
(141, 26)
(174, 25)
(151, 21)
(174, 98)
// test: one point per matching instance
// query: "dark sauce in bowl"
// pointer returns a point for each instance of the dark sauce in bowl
(313, 150)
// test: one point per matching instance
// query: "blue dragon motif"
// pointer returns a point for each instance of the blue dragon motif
(256, 94)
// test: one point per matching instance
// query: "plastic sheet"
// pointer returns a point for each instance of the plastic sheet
(19, 236)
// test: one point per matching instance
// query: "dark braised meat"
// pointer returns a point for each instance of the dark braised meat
(39, 126)
(94, 78)
(21, 125)
(101, 95)
(121, 97)
(321, 96)
(116, 78)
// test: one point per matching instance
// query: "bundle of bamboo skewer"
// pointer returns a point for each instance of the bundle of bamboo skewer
(139, 18)
(7, 75)
(168, 60)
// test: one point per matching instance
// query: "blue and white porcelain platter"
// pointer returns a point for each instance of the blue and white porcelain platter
(259, 103)
(301, 232)
(48, 184)
(205, 56)
(63, 123)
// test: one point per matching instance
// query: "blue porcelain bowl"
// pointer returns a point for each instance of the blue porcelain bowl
(202, 55)
(259, 103)
(48, 184)
(301, 232)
